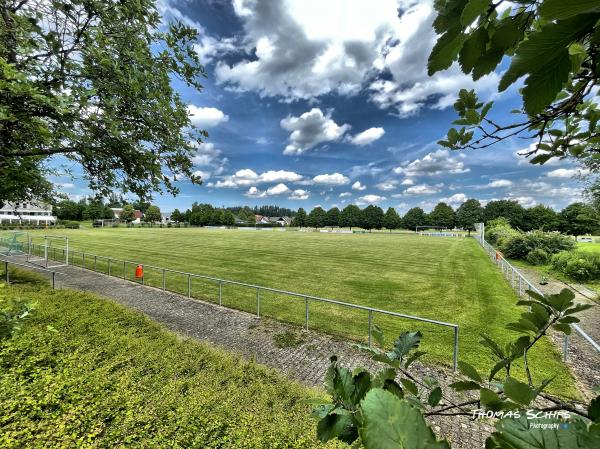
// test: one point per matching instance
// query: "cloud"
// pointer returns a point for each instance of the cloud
(311, 129)
(358, 186)
(369, 199)
(422, 189)
(209, 158)
(299, 194)
(435, 163)
(567, 173)
(455, 200)
(334, 179)
(500, 183)
(205, 175)
(206, 117)
(407, 182)
(279, 189)
(246, 177)
(386, 186)
(368, 136)
(65, 185)
(345, 194)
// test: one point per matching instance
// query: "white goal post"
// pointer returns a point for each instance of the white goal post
(48, 256)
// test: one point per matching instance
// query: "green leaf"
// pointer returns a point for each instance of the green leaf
(392, 386)
(490, 400)
(577, 308)
(464, 385)
(407, 342)
(391, 423)
(410, 386)
(378, 335)
(542, 87)
(337, 426)
(518, 391)
(445, 51)
(473, 9)
(414, 356)
(469, 371)
(523, 326)
(492, 345)
(564, 9)
(435, 396)
(472, 49)
(564, 328)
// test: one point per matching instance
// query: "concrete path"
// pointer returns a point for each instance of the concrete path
(255, 339)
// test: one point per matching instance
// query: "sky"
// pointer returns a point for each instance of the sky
(328, 103)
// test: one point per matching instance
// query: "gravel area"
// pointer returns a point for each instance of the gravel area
(255, 338)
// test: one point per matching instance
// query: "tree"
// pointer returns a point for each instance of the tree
(153, 215)
(228, 219)
(128, 213)
(317, 217)
(578, 219)
(69, 210)
(96, 210)
(391, 219)
(177, 216)
(511, 210)
(413, 218)
(91, 80)
(333, 217)
(469, 213)
(350, 216)
(553, 44)
(371, 217)
(300, 220)
(442, 216)
(542, 217)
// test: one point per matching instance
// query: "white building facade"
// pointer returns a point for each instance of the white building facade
(27, 214)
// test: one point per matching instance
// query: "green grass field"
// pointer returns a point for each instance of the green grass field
(444, 279)
(85, 372)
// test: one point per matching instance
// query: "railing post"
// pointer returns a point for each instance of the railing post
(109, 260)
(123, 269)
(82, 260)
(6, 272)
(189, 285)
(53, 280)
(164, 279)
(220, 293)
(565, 347)
(520, 286)
(95, 262)
(258, 302)
(306, 301)
(370, 325)
(455, 361)
(143, 275)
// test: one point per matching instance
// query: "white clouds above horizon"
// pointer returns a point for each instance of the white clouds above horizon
(434, 163)
(206, 117)
(500, 183)
(423, 189)
(567, 173)
(367, 137)
(358, 186)
(369, 199)
(246, 177)
(311, 129)
(279, 189)
(334, 179)
(299, 194)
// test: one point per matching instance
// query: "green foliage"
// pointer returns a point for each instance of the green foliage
(541, 217)
(371, 217)
(391, 219)
(578, 265)
(288, 339)
(301, 219)
(414, 217)
(469, 213)
(387, 409)
(14, 311)
(508, 209)
(153, 215)
(537, 256)
(350, 216)
(317, 218)
(498, 231)
(442, 215)
(128, 213)
(103, 376)
(333, 217)
(579, 219)
(552, 46)
(92, 81)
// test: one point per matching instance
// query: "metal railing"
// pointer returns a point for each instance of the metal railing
(521, 284)
(7, 263)
(115, 266)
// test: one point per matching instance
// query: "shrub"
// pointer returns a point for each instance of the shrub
(499, 230)
(518, 246)
(538, 256)
(578, 265)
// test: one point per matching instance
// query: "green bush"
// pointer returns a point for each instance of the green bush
(538, 256)
(518, 246)
(86, 372)
(578, 265)
(499, 230)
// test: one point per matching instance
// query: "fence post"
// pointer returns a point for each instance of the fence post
(306, 300)
(109, 260)
(220, 293)
(123, 269)
(370, 325)
(82, 260)
(6, 272)
(143, 275)
(565, 347)
(455, 361)
(95, 262)
(53, 280)
(258, 302)
(520, 286)
(189, 285)
(164, 280)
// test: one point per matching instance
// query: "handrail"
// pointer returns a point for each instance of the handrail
(258, 288)
(10, 262)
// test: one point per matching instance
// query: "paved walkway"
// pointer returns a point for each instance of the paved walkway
(583, 359)
(254, 338)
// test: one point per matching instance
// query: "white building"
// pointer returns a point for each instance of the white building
(26, 214)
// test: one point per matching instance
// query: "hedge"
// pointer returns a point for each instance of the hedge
(578, 265)
(86, 372)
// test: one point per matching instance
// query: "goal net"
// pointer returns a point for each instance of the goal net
(49, 251)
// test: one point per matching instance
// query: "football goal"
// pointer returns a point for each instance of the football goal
(49, 251)
(13, 243)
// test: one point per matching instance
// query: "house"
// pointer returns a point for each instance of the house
(281, 221)
(166, 217)
(27, 213)
(261, 219)
(117, 211)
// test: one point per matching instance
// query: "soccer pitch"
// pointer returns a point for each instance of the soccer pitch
(445, 279)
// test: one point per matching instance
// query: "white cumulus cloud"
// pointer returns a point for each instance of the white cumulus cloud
(369, 199)
(567, 173)
(422, 189)
(358, 186)
(299, 194)
(310, 129)
(206, 117)
(368, 136)
(334, 179)
(435, 163)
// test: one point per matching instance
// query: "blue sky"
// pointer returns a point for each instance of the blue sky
(327, 102)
